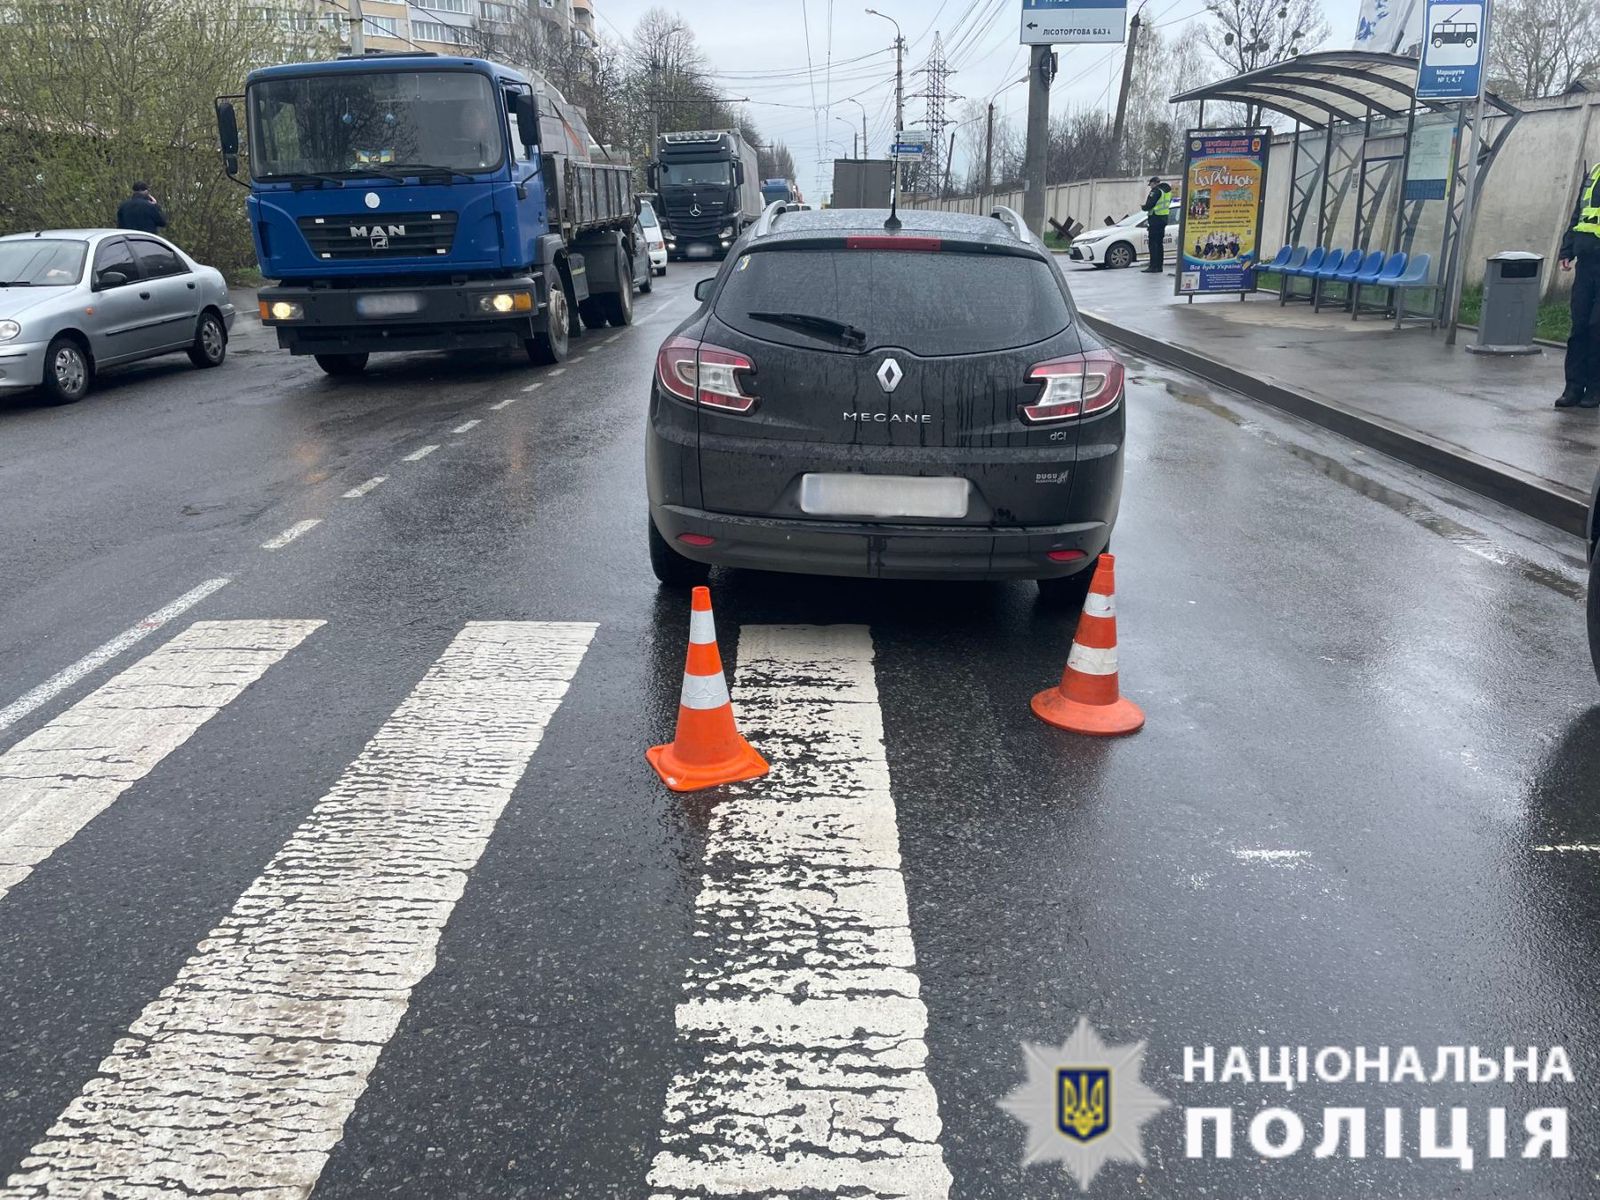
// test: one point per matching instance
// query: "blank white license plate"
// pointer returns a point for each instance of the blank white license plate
(392, 305)
(699, 250)
(884, 496)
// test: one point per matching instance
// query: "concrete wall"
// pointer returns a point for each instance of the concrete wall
(1088, 200)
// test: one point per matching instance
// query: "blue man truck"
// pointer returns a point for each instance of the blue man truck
(421, 202)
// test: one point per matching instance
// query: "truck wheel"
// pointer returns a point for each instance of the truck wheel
(592, 312)
(554, 345)
(617, 306)
(342, 364)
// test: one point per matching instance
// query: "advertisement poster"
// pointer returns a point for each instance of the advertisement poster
(1224, 181)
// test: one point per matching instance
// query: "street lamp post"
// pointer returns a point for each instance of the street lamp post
(850, 125)
(863, 108)
(899, 91)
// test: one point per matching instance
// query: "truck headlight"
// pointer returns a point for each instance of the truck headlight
(281, 310)
(9, 330)
(727, 231)
(501, 303)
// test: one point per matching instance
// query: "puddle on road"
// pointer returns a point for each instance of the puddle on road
(1413, 509)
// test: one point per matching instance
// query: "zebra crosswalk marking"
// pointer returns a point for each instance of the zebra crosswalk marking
(240, 1076)
(802, 1018)
(58, 779)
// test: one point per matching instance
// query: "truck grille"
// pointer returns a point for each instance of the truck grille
(711, 220)
(365, 235)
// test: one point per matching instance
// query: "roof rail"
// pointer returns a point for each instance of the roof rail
(1012, 220)
(769, 216)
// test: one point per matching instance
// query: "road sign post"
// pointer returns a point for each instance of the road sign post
(1073, 22)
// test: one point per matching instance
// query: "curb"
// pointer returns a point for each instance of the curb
(1567, 509)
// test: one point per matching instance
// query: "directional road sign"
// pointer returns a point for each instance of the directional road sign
(1073, 22)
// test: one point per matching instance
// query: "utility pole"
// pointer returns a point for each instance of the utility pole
(1041, 74)
(988, 155)
(358, 29)
(1122, 99)
(949, 160)
(899, 93)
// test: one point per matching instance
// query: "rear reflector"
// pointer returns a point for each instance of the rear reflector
(696, 539)
(883, 242)
(1067, 555)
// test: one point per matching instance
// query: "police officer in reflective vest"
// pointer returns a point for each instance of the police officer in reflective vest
(1159, 205)
(1581, 246)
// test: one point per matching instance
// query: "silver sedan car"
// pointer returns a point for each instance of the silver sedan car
(76, 301)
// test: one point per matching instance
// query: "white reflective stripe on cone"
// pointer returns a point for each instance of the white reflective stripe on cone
(704, 691)
(1090, 661)
(702, 628)
(1100, 606)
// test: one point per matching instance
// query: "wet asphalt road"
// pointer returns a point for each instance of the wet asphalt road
(1369, 705)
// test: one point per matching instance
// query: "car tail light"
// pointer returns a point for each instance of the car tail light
(882, 242)
(1075, 386)
(696, 539)
(1067, 555)
(704, 374)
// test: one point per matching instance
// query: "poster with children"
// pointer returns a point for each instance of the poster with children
(1224, 184)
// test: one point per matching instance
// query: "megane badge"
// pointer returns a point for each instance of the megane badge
(890, 375)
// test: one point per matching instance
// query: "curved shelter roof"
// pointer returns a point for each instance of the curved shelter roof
(1327, 87)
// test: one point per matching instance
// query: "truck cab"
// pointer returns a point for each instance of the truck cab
(405, 202)
(709, 189)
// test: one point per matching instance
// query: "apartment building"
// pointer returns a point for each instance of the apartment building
(450, 26)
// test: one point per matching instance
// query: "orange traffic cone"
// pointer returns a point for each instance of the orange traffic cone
(707, 750)
(1088, 699)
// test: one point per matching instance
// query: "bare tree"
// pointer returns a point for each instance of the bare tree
(1541, 46)
(1247, 34)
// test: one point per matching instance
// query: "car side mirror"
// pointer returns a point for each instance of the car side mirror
(110, 278)
(653, 176)
(527, 114)
(702, 290)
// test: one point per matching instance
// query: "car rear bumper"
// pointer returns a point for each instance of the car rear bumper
(881, 551)
(22, 366)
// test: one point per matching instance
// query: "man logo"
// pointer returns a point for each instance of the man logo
(1082, 1110)
(890, 375)
(377, 235)
(1083, 1104)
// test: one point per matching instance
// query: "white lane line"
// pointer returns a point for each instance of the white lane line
(419, 455)
(532, 387)
(802, 1020)
(502, 405)
(294, 531)
(1569, 848)
(554, 371)
(356, 493)
(611, 339)
(1280, 857)
(239, 1077)
(466, 426)
(101, 655)
(58, 779)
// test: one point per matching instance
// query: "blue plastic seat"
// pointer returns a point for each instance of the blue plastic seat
(1409, 276)
(1297, 259)
(1309, 264)
(1354, 264)
(1393, 267)
(1279, 260)
(1330, 265)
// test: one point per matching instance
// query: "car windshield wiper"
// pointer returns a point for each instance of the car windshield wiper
(839, 330)
(421, 169)
(15, 283)
(303, 177)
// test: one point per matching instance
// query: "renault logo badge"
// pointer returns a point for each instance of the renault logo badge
(890, 375)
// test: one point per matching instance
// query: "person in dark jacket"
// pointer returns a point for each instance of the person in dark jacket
(1159, 205)
(1581, 248)
(141, 212)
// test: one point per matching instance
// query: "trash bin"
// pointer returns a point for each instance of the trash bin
(1511, 290)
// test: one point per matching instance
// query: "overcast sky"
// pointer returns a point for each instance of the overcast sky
(748, 42)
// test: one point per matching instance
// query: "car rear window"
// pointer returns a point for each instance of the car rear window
(930, 304)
